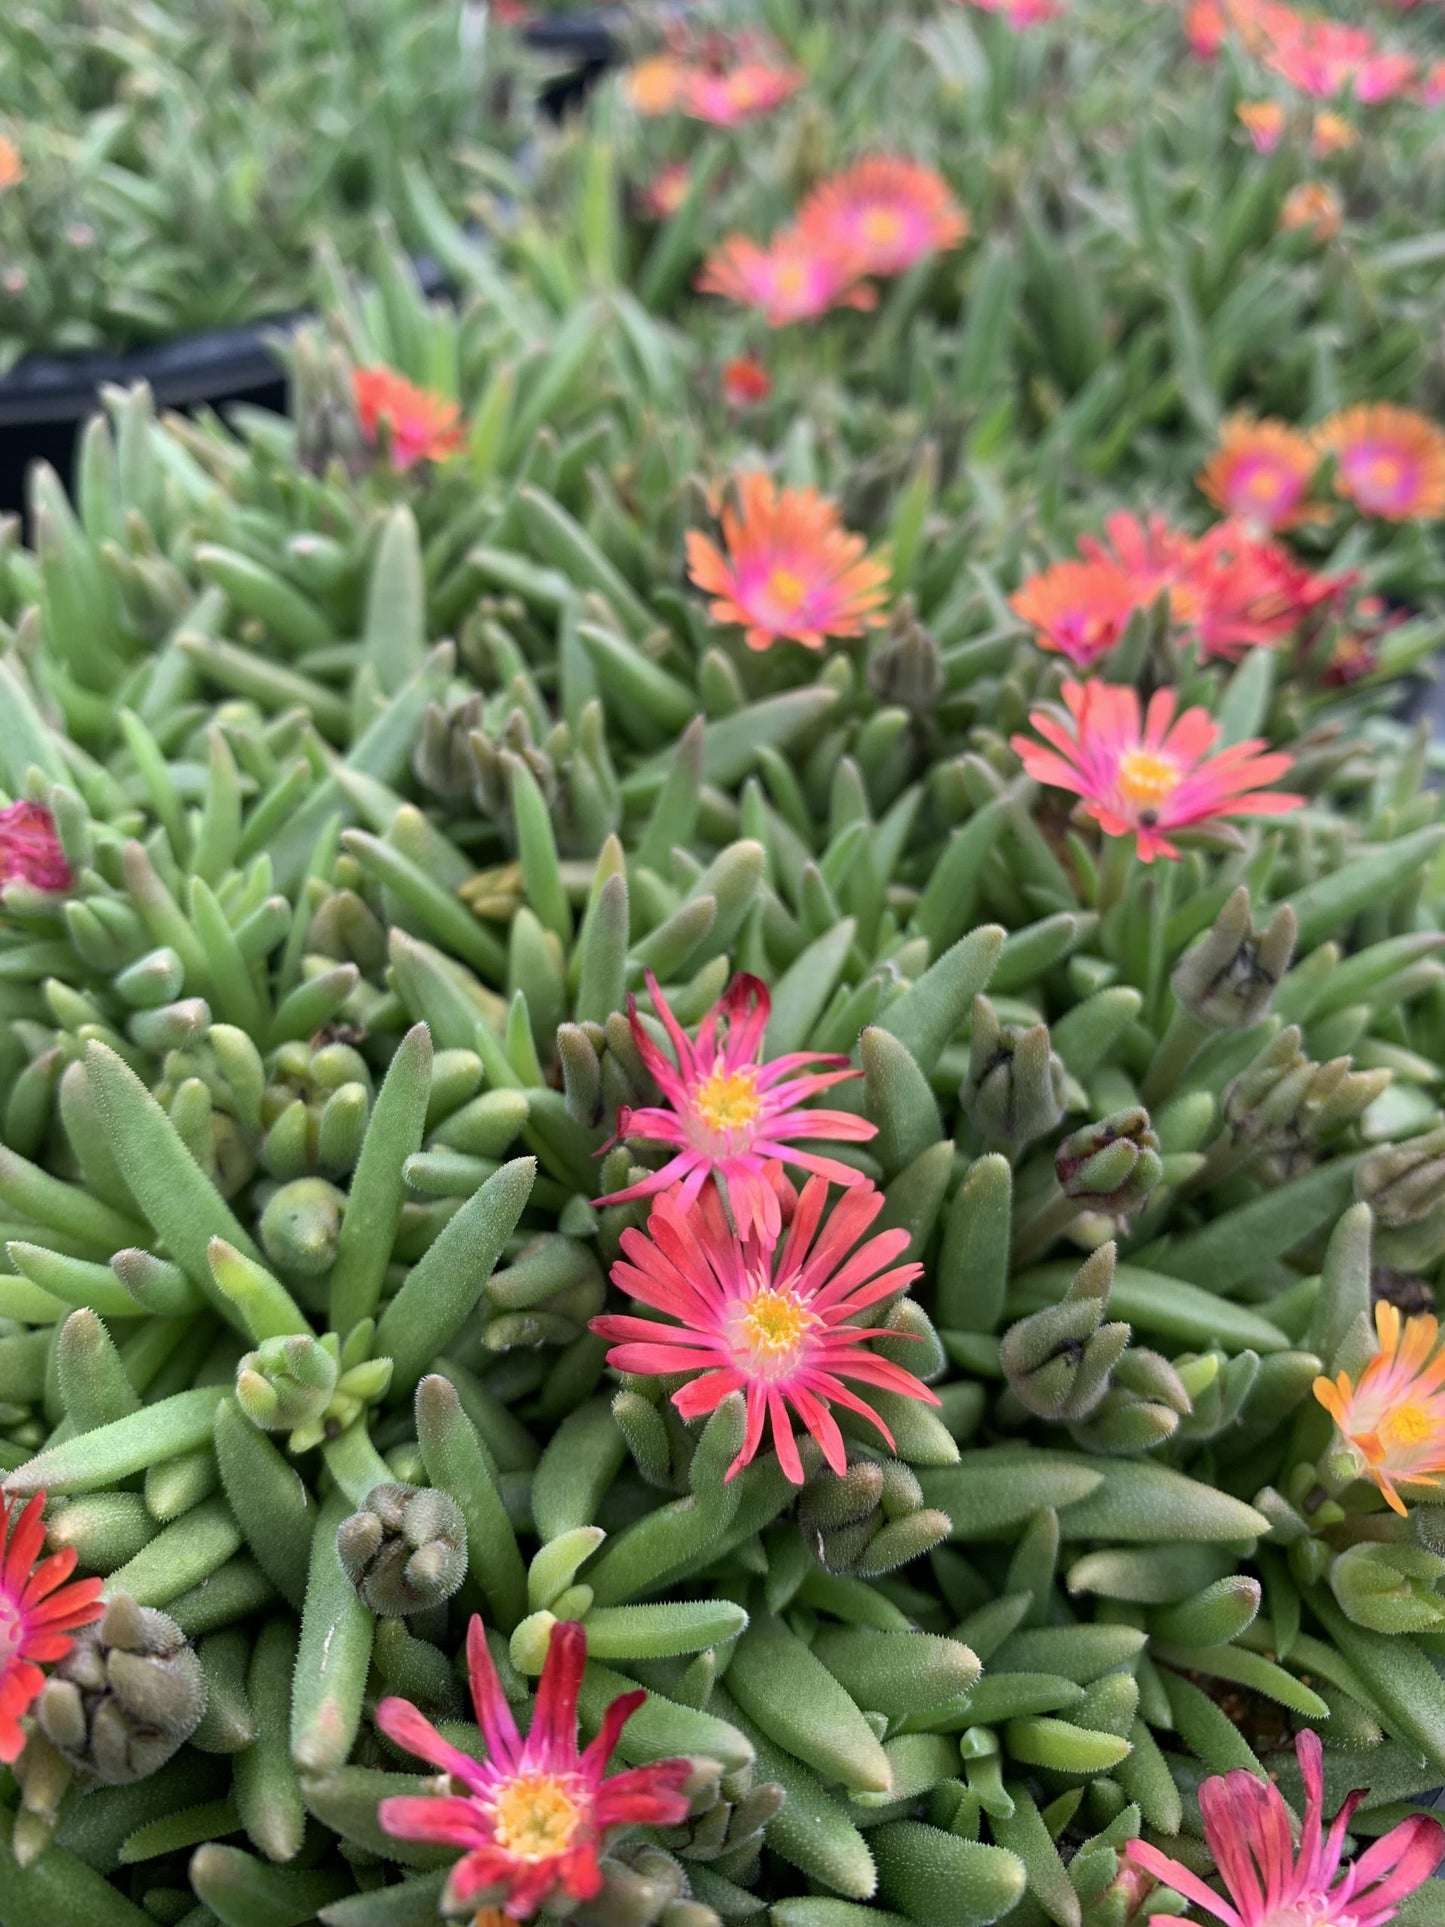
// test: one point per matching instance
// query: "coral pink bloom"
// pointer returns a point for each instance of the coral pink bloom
(792, 571)
(535, 1814)
(792, 279)
(1247, 1827)
(421, 426)
(1384, 77)
(1331, 134)
(1076, 608)
(742, 93)
(745, 382)
(733, 1113)
(666, 192)
(38, 1613)
(1149, 553)
(1262, 473)
(1263, 121)
(1392, 1418)
(1315, 206)
(777, 1326)
(1249, 593)
(886, 212)
(1204, 27)
(1389, 461)
(30, 850)
(1147, 778)
(1432, 85)
(1022, 14)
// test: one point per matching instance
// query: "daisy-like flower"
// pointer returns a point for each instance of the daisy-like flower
(1078, 609)
(12, 168)
(1263, 121)
(533, 1817)
(1249, 593)
(668, 189)
(1384, 77)
(1392, 1418)
(777, 1325)
(1150, 554)
(1148, 776)
(422, 426)
(1247, 1828)
(738, 94)
(1261, 473)
(1315, 206)
(38, 1613)
(1204, 28)
(655, 86)
(745, 382)
(731, 1112)
(1331, 134)
(1389, 461)
(791, 569)
(30, 850)
(886, 212)
(792, 279)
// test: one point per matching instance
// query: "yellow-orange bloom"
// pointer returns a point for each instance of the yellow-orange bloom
(1263, 121)
(1312, 205)
(791, 568)
(1389, 461)
(1331, 134)
(656, 86)
(12, 168)
(1261, 473)
(1392, 1419)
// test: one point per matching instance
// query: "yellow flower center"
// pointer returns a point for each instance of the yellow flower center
(1383, 471)
(727, 1100)
(786, 589)
(1408, 1424)
(882, 226)
(535, 1816)
(771, 1325)
(1145, 779)
(791, 278)
(1266, 484)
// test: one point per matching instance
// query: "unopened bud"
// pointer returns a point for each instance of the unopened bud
(1283, 1098)
(1016, 1082)
(126, 1697)
(300, 1226)
(1058, 1361)
(906, 667)
(1404, 1183)
(1229, 977)
(286, 1383)
(444, 761)
(1389, 1588)
(1113, 1165)
(405, 1550)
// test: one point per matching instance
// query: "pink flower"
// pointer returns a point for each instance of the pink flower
(1263, 121)
(30, 850)
(536, 1813)
(1021, 14)
(422, 426)
(886, 211)
(1246, 592)
(1432, 85)
(1078, 608)
(742, 93)
(1247, 1826)
(1144, 778)
(38, 1613)
(792, 279)
(733, 1114)
(777, 1326)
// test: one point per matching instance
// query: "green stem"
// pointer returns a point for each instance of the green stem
(1177, 1050)
(1039, 1230)
(354, 1462)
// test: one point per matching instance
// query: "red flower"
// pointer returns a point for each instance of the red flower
(732, 1113)
(1146, 777)
(30, 850)
(885, 212)
(745, 382)
(535, 1814)
(38, 1613)
(1249, 593)
(421, 426)
(780, 1327)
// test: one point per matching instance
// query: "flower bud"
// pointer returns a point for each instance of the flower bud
(1058, 1361)
(126, 1697)
(1389, 1588)
(1015, 1087)
(405, 1550)
(1283, 1099)
(444, 761)
(1113, 1165)
(300, 1226)
(1229, 977)
(1404, 1183)
(286, 1383)
(905, 666)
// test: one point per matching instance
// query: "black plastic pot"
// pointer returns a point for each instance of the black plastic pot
(587, 42)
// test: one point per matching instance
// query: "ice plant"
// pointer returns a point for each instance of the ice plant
(791, 279)
(1077, 608)
(745, 382)
(788, 569)
(1389, 461)
(420, 426)
(885, 211)
(1313, 205)
(1246, 592)
(1247, 1829)
(655, 86)
(38, 1613)
(1261, 473)
(12, 168)
(1263, 121)
(731, 1112)
(741, 93)
(30, 850)
(1153, 556)
(1022, 14)
(1392, 1418)
(533, 1817)
(1331, 134)
(1151, 775)
(780, 1326)
(666, 192)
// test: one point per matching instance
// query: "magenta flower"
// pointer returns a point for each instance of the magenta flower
(1247, 1827)
(731, 1114)
(536, 1813)
(778, 1326)
(30, 850)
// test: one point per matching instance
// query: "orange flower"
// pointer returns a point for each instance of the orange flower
(656, 86)
(666, 192)
(1146, 776)
(1261, 473)
(1312, 205)
(791, 568)
(12, 168)
(1389, 461)
(792, 279)
(1078, 609)
(1392, 1419)
(1263, 121)
(1331, 134)
(421, 426)
(886, 212)
(745, 382)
